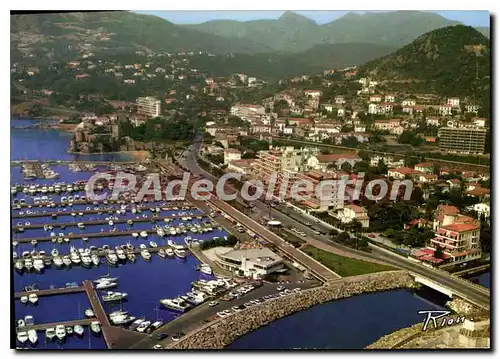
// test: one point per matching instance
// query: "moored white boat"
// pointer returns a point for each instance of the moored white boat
(78, 330)
(60, 332)
(22, 337)
(32, 336)
(95, 327)
(145, 254)
(33, 298)
(24, 299)
(50, 333)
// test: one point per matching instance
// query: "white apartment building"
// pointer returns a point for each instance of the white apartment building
(149, 106)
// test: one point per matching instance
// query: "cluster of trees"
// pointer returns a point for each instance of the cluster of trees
(410, 138)
(219, 242)
(158, 129)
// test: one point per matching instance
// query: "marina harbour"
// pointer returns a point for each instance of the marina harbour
(48, 224)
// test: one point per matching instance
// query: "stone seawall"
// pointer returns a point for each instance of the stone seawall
(220, 333)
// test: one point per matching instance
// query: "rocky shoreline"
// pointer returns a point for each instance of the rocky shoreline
(222, 332)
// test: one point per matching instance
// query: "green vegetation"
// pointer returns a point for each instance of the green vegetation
(344, 266)
(293, 32)
(219, 242)
(411, 138)
(158, 129)
(443, 61)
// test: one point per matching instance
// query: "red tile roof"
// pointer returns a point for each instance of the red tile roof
(461, 227)
(337, 156)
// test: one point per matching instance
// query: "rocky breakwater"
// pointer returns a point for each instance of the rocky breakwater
(221, 332)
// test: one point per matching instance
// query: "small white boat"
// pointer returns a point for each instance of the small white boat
(34, 242)
(111, 223)
(58, 262)
(95, 259)
(19, 265)
(66, 260)
(145, 254)
(32, 336)
(170, 252)
(54, 252)
(95, 327)
(50, 333)
(153, 244)
(89, 313)
(69, 330)
(135, 235)
(142, 246)
(22, 337)
(78, 329)
(85, 239)
(143, 234)
(24, 299)
(33, 298)
(81, 225)
(205, 268)
(181, 253)
(60, 332)
(20, 323)
(162, 253)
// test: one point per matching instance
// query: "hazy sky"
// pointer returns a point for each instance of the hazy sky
(471, 18)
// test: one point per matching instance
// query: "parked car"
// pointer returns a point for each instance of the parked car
(213, 304)
(280, 288)
(161, 336)
(371, 235)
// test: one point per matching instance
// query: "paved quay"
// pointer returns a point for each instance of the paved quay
(223, 331)
(196, 317)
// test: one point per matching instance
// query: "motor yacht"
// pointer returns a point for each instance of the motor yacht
(177, 304)
(181, 253)
(24, 299)
(114, 296)
(89, 313)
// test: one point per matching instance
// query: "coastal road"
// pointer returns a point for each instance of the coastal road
(463, 288)
(195, 317)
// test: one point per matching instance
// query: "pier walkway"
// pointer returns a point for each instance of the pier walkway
(47, 292)
(115, 337)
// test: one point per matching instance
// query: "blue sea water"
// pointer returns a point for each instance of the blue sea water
(351, 323)
(47, 144)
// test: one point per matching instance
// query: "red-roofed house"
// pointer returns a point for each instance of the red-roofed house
(445, 109)
(321, 162)
(352, 212)
(459, 242)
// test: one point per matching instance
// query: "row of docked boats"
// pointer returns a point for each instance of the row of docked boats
(60, 187)
(31, 298)
(25, 332)
(60, 331)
